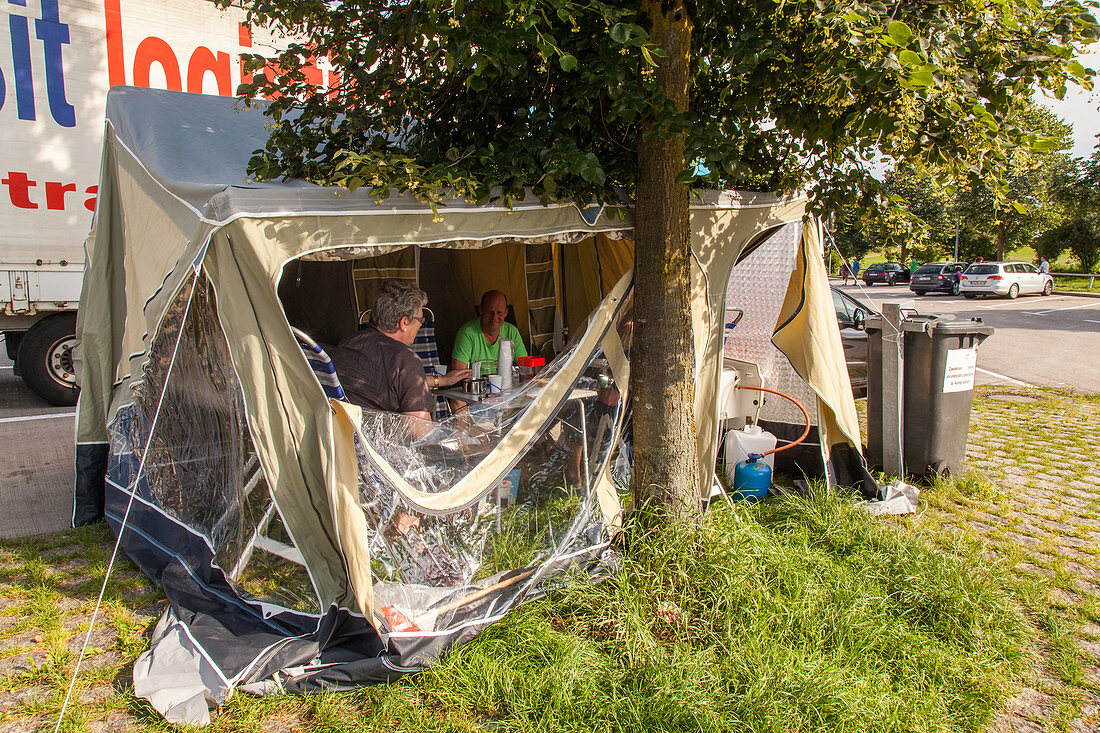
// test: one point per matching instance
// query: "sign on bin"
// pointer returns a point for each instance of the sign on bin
(958, 373)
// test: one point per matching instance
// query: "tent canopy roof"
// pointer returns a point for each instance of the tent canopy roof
(197, 149)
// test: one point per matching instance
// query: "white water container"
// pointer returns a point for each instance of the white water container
(504, 363)
(740, 443)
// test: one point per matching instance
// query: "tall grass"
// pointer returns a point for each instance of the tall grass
(802, 615)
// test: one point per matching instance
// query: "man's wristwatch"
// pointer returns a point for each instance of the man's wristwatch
(436, 381)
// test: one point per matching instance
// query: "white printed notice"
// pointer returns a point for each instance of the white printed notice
(958, 375)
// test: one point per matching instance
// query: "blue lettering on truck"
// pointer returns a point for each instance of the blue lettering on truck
(54, 35)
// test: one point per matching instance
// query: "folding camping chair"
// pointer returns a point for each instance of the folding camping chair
(322, 366)
(426, 348)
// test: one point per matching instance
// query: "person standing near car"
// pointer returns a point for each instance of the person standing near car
(1044, 265)
(855, 268)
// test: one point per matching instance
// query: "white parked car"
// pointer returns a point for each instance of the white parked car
(1005, 279)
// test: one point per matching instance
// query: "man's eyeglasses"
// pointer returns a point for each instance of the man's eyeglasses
(422, 319)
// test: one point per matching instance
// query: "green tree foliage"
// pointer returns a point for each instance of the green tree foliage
(1027, 207)
(553, 95)
(992, 216)
(1077, 190)
(915, 224)
(591, 100)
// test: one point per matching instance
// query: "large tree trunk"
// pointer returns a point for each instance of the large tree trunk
(662, 381)
(1002, 240)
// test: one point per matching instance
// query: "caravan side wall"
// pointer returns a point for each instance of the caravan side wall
(58, 59)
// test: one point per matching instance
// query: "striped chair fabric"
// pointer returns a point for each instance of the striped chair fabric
(426, 348)
(322, 366)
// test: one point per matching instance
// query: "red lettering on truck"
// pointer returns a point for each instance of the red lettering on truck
(21, 186)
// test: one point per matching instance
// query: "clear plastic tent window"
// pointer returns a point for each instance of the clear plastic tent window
(528, 466)
(201, 466)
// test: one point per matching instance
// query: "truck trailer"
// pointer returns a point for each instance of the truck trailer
(59, 58)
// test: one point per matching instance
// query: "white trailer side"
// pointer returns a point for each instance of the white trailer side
(57, 60)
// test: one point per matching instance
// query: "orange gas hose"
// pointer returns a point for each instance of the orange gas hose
(796, 404)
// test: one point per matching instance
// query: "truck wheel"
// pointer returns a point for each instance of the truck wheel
(46, 360)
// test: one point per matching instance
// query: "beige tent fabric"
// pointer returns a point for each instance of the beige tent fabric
(614, 257)
(808, 334)
(368, 274)
(166, 213)
(722, 224)
(351, 525)
(127, 288)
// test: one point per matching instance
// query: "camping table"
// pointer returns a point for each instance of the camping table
(578, 393)
(457, 393)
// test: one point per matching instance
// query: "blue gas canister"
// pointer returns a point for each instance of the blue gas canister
(751, 479)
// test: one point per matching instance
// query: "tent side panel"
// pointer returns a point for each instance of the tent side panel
(808, 334)
(718, 236)
(288, 414)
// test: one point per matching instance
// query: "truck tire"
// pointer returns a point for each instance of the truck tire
(45, 359)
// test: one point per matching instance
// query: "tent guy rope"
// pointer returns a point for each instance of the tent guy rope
(129, 504)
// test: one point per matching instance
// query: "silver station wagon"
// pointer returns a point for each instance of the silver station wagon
(1004, 279)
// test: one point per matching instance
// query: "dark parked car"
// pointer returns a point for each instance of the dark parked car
(890, 273)
(937, 277)
(851, 316)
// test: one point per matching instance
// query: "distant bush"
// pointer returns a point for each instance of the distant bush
(1080, 236)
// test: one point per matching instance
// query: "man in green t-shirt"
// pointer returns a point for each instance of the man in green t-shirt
(479, 339)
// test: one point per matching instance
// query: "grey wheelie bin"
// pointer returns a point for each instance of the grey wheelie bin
(938, 362)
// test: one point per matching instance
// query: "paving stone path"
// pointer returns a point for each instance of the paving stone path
(1033, 495)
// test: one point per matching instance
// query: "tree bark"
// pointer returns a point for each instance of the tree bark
(662, 378)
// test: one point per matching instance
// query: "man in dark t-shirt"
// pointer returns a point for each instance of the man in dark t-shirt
(377, 367)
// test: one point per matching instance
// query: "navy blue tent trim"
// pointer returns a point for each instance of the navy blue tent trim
(239, 639)
(88, 491)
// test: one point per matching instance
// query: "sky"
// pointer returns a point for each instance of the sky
(1079, 108)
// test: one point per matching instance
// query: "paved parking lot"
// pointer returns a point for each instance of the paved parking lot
(36, 466)
(1043, 341)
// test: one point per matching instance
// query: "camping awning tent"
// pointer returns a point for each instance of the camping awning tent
(190, 365)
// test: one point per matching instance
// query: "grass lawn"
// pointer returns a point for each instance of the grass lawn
(800, 614)
(1080, 284)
